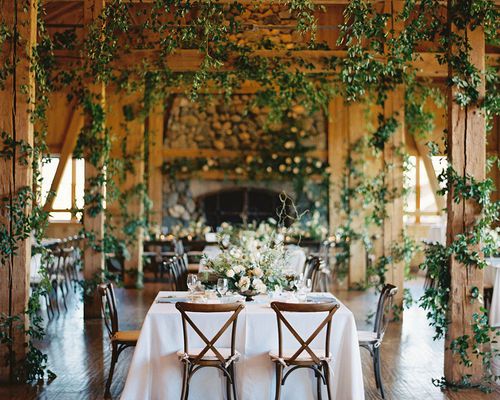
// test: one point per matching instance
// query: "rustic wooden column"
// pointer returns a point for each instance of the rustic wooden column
(393, 225)
(16, 100)
(467, 156)
(155, 123)
(345, 126)
(93, 260)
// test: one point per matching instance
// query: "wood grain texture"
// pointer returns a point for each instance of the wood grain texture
(16, 100)
(93, 260)
(394, 107)
(155, 123)
(467, 156)
(130, 179)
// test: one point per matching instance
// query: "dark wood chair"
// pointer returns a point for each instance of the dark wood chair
(210, 356)
(120, 340)
(304, 357)
(371, 340)
(316, 270)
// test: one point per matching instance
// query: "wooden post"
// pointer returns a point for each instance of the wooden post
(357, 264)
(467, 155)
(16, 175)
(93, 260)
(393, 225)
(155, 177)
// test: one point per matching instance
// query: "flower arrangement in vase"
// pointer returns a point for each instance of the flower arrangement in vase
(252, 262)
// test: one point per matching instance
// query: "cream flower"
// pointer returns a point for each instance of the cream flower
(244, 283)
(257, 272)
(230, 273)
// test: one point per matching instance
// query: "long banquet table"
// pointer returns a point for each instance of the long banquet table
(156, 372)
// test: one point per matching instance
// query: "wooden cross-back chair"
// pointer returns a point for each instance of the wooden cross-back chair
(209, 356)
(371, 340)
(120, 340)
(313, 270)
(304, 357)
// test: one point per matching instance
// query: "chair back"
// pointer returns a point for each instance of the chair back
(311, 266)
(187, 308)
(385, 301)
(280, 307)
(108, 307)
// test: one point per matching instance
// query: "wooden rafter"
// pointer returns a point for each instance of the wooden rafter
(74, 127)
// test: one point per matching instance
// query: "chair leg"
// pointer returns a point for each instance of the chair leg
(55, 286)
(185, 378)
(114, 359)
(326, 369)
(378, 376)
(279, 377)
(228, 388)
(318, 384)
(233, 378)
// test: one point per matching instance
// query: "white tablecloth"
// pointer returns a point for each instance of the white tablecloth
(492, 278)
(156, 373)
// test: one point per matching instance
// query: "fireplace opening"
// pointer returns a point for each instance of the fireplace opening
(240, 205)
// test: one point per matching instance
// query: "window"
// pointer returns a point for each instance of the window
(70, 192)
(421, 205)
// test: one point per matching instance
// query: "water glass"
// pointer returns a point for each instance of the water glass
(192, 282)
(307, 286)
(222, 286)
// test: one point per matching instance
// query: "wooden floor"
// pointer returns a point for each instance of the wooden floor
(79, 352)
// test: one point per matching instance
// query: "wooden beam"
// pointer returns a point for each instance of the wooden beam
(156, 153)
(467, 155)
(357, 264)
(93, 260)
(16, 105)
(394, 106)
(189, 60)
(73, 129)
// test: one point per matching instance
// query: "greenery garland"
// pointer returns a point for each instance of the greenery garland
(361, 76)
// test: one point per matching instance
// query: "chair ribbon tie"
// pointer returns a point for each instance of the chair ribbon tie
(228, 362)
(282, 361)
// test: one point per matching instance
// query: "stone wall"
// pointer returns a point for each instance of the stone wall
(237, 125)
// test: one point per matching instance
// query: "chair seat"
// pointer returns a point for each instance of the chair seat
(303, 357)
(210, 355)
(367, 337)
(126, 336)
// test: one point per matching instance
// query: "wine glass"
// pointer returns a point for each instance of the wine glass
(222, 286)
(192, 282)
(307, 286)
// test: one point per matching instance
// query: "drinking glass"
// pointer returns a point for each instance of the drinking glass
(222, 286)
(307, 288)
(192, 282)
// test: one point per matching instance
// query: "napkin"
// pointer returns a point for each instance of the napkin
(171, 299)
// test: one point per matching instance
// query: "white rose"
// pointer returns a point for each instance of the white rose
(230, 273)
(238, 269)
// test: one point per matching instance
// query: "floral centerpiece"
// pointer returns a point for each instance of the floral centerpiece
(252, 262)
